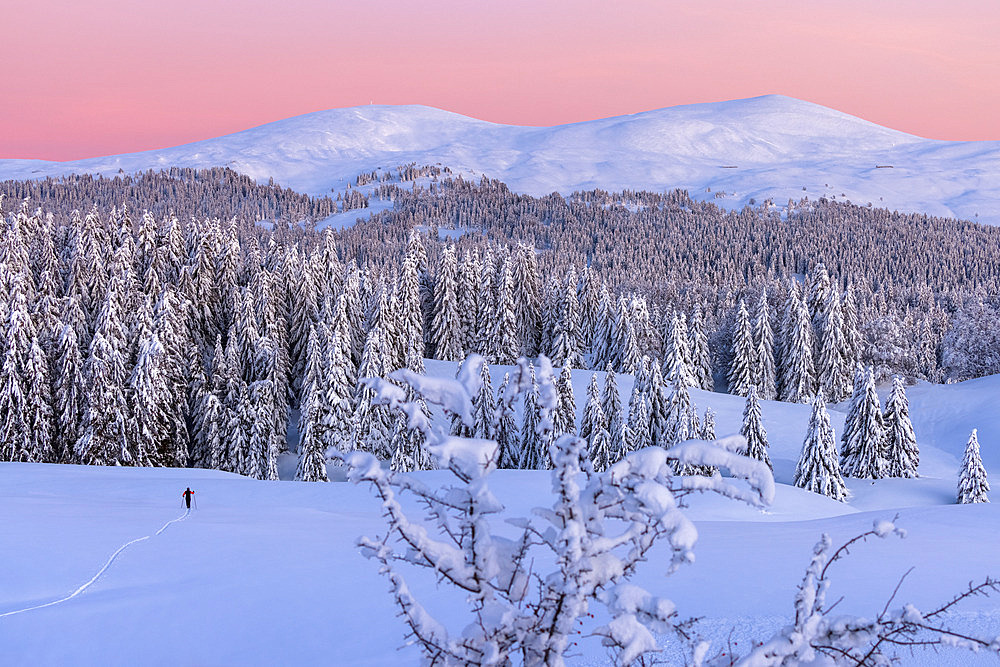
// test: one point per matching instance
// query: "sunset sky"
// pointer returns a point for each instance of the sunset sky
(109, 76)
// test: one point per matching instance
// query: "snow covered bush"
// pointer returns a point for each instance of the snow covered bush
(817, 637)
(598, 530)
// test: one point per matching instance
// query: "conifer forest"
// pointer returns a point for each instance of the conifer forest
(205, 331)
(200, 319)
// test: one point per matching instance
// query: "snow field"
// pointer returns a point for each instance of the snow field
(268, 572)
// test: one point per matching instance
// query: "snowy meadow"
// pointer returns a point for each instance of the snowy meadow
(266, 572)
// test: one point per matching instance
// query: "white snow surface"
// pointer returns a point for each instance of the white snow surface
(265, 573)
(764, 147)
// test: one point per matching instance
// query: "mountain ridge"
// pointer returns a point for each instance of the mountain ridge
(733, 152)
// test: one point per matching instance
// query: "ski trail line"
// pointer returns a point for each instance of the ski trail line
(101, 571)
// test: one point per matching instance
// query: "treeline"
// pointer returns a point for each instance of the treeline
(219, 192)
(144, 342)
(925, 288)
(179, 341)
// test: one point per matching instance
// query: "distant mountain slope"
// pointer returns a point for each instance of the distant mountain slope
(731, 152)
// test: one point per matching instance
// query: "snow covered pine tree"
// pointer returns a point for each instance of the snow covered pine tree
(972, 484)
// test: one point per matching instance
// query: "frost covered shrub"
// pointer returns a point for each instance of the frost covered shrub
(598, 529)
(816, 636)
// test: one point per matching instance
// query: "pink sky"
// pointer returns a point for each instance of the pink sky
(100, 77)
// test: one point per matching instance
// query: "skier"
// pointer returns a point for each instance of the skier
(187, 497)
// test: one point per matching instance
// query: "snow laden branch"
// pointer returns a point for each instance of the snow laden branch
(817, 636)
(529, 590)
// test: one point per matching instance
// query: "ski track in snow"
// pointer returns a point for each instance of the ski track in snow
(100, 572)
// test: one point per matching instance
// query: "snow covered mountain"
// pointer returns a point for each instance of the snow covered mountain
(730, 152)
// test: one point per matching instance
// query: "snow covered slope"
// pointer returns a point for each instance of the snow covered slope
(265, 573)
(765, 147)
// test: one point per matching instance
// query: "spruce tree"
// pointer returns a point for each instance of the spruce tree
(629, 354)
(785, 331)
(373, 425)
(533, 456)
(68, 393)
(506, 434)
(486, 301)
(104, 432)
(817, 470)
(13, 429)
(972, 483)
(742, 369)
(183, 373)
(313, 381)
(312, 461)
(589, 298)
(797, 362)
(338, 386)
(833, 370)
(701, 358)
(528, 299)
(231, 390)
(551, 308)
(681, 425)
(503, 342)
(564, 419)
(676, 355)
(763, 340)
(412, 321)
(852, 333)
(241, 456)
(602, 346)
(863, 453)
(447, 327)
(594, 428)
(639, 425)
(151, 406)
(304, 309)
(484, 407)
(19, 333)
(566, 338)
(354, 314)
(611, 402)
(263, 458)
(854, 405)
(619, 330)
(753, 430)
(38, 407)
(619, 437)
(902, 452)
(593, 413)
(407, 444)
(817, 297)
(658, 401)
(469, 275)
(211, 429)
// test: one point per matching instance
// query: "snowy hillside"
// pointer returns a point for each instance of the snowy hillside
(728, 152)
(267, 572)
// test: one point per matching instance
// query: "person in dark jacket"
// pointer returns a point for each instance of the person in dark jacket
(187, 497)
